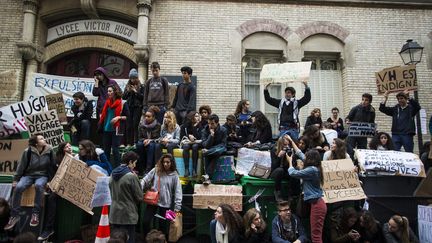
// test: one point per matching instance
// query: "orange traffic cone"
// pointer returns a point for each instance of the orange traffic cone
(103, 232)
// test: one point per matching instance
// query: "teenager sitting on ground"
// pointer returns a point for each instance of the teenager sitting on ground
(397, 230)
(255, 227)
(314, 119)
(345, 230)
(233, 131)
(286, 226)
(370, 229)
(227, 225)
(337, 150)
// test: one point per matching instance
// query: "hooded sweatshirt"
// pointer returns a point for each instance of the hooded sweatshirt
(39, 164)
(102, 90)
(126, 193)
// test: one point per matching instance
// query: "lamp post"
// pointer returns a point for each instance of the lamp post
(411, 53)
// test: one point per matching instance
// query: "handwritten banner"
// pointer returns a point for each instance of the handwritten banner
(341, 182)
(55, 102)
(424, 214)
(285, 72)
(12, 116)
(10, 154)
(390, 162)
(362, 129)
(396, 79)
(45, 84)
(75, 182)
(211, 196)
(246, 158)
(48, 124)
(102, 194)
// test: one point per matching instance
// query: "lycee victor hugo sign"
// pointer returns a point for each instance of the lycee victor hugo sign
(91, 26)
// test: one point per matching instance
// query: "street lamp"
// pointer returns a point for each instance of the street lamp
(411, 53)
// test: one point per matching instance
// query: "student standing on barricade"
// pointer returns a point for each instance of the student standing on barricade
(184, 99)
(289, 109)
(80, 123)
(100, 88)
(156, 92)
(133, 94)
(34, 167)
(403, 126)
(364, 112)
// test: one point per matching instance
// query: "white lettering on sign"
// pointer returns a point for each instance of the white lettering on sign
(90, 26)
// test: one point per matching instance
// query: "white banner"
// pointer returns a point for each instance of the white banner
(12, 116)
(246, 158)
(285, 72)
(424, 214)
(45, 84)
(390, 162)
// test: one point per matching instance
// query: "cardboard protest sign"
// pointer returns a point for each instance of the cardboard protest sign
(45, 84)
(28, 196)
(12, 116)
(75, 182)
(424, 214)
(390, 162)
(102, 194)
(55, 102)
(48, 124)
(341, 182)
(396, 79)
(10, 154)
(362, 129)
(5, 190)
(246, 158)
(211, 196)
(285, 72)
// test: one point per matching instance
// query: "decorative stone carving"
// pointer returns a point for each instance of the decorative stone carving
(144, 7)
(142, 53)
(322, 27)
(263, 25)
(30, 6)
(89, 8)
(30, 51)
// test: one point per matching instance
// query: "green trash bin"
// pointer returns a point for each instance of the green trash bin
(69, 219)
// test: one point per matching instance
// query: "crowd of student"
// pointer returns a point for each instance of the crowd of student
(142, 116)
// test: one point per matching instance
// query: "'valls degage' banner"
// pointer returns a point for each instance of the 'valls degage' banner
(45, 84)
(341, 182)
(48, 124)
(75, 182)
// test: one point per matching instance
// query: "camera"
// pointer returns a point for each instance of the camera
(288, 151)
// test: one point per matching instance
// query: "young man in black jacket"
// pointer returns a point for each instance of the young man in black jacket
(364, 112)
(403, 126)
(80, 124)
(184, 99)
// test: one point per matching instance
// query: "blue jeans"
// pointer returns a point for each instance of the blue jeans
(111, 141)
(292, 132)
(24, 183)
(146, 154)
(82, 133)
(404, 140)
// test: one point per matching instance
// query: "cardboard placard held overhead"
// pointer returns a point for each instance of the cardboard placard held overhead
(285, 72)
(75, 182)
(396, 79)
(10, 154)
(48, 124)
(211, 196)
(362, 129)
(55, 102)
(390, 162)
(424, 214)
(341, 182)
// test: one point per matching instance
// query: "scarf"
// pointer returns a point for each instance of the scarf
(116, 105)
(287, 103)
(221, 233)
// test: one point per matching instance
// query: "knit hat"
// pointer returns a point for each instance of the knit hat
(133, 73)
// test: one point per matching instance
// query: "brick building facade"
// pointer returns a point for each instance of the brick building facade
(226, 43)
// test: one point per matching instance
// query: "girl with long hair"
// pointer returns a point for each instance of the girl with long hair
(113, 112)
(337, 150)
(163, 178)
(244, 118)
(63, 149)
(255, 227)
(397, 230)
(227, 226)
(370, 229)
(316, 139)
(94, 157)
(312, 176)
(314, 119)
(169, 136)
(262, 130)
(192, 131)
(381, 141)
(149, 131)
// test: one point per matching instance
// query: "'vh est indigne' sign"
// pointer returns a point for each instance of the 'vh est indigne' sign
(361, 129)
(48, 124)
(396, 79)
